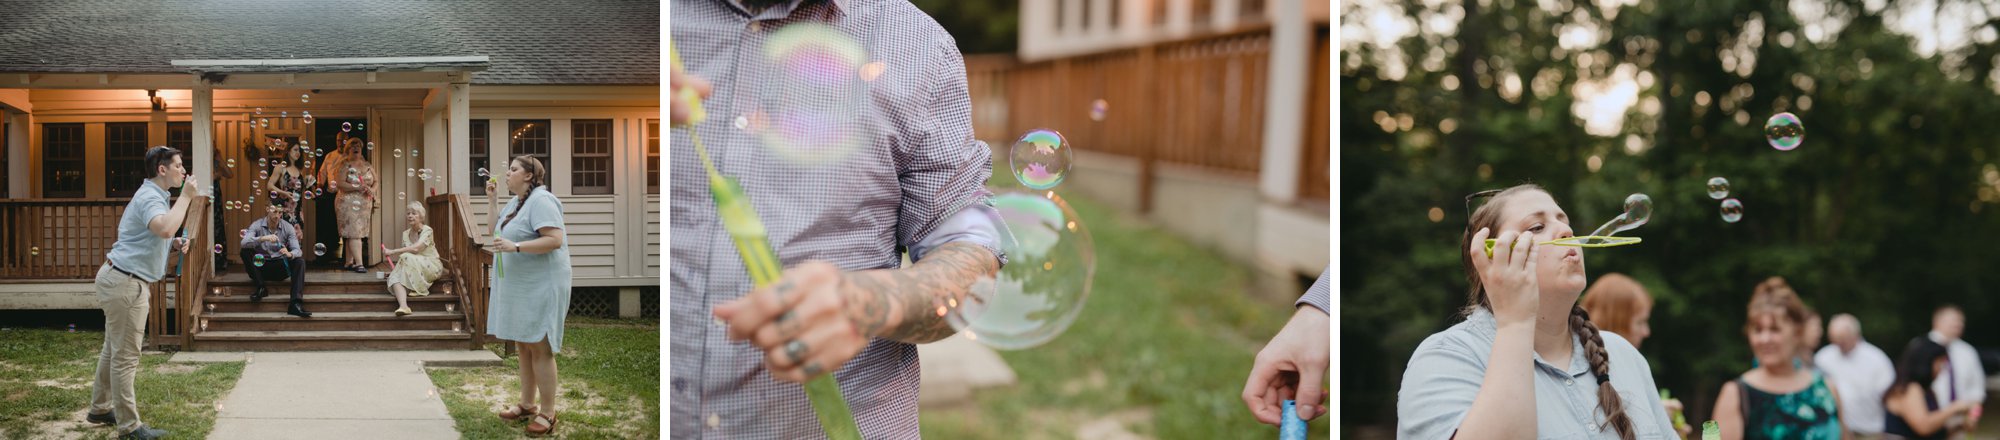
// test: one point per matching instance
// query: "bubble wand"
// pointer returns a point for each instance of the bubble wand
(752, 244)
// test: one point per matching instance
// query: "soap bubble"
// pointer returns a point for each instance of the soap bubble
(1097, 110)
(1043, 287)
(230, 163)
(398, 153)
(482, 172)
(1638, 210)
(319, 249)
(811, 114)
(1732, 210)
(308, 118)
(1784, 131)
(218, 248)
(1040, 159)
(305, 98)
(257, 260)
(34, 250)
(1718, 188)
(346, 127)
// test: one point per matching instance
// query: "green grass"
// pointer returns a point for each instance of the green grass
(610, 382)
(1164, 344)
(46, 377)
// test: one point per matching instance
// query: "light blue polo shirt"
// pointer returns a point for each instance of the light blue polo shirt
(139, 251)
(1447, 369)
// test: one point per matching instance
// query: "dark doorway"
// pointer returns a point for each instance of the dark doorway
(327, 134)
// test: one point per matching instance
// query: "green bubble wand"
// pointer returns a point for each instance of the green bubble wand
(752, 243)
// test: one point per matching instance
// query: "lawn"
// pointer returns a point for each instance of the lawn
(45, 382)
(1162, 349)
(610, 386)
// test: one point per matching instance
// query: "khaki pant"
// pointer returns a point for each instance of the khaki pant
(125, 302)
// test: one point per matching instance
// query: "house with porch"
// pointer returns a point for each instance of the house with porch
(442, 90)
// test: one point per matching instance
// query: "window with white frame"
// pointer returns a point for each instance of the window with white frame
(590, 156)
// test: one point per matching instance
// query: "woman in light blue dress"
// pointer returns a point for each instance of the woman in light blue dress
(531, 287)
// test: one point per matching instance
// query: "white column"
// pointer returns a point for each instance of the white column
(460, 139)
(20, 125)
(204, 138)
(1072, 19)
(436, 150)
(560, 149)
(1285, 103)
(1180, 15)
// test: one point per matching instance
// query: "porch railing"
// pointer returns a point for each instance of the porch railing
(457, 237)
(56, 238)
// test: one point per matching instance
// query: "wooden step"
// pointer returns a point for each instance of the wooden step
(330, 302)
(331, 321)
(331, 340)
(244, 287)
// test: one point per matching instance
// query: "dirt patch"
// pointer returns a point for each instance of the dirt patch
(1117, 425)
(70, 426)
(1090, 382)
(488, 389)
(52, 383)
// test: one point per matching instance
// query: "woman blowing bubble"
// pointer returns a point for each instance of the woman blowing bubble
(1526, 362)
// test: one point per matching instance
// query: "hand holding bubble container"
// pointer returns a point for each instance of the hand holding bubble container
(747, 231)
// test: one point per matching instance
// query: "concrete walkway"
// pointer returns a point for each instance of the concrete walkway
(336, 395)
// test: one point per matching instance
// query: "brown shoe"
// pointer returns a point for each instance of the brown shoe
(517, 413)
(546, 422)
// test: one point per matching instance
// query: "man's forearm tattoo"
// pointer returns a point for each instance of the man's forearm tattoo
(904, 304)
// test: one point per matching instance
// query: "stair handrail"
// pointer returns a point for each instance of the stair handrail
(465, 260)
(196, 270)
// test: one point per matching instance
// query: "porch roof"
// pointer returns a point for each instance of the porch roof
(526, 41)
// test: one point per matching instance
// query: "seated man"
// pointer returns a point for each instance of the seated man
(278, 243)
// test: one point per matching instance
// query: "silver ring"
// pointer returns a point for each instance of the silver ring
(796, 350)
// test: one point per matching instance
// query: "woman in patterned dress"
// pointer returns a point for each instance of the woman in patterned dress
(356, 204)
(1780, 398)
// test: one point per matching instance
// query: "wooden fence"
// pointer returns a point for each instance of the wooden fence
(1198, 102)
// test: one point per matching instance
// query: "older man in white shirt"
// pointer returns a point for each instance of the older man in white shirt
(1860, 371)
(1965, 380)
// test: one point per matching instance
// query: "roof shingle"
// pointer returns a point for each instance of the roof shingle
(529, 42)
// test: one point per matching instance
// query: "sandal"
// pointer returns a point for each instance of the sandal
(517, 413)
(532, 432)
(405, 311)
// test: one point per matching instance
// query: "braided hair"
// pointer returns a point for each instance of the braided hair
(1608, 401)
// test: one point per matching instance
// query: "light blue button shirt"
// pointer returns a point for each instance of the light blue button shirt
(139, 251)
(1447, 368)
